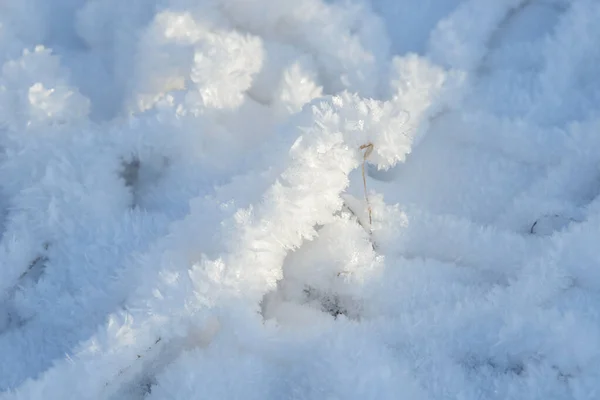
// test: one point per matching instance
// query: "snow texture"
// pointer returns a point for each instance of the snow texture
(299, 199)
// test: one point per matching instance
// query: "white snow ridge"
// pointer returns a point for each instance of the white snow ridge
(300, 199)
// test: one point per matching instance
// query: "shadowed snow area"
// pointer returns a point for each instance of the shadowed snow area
(183, 213)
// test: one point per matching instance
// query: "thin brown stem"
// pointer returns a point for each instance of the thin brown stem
(368, 148)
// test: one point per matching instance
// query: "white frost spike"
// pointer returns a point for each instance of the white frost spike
(166, 54)
(34, 90)
(224, 66)
(55, 104)
(423, 90)
(298, 87)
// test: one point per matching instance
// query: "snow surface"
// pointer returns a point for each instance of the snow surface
(183, 212)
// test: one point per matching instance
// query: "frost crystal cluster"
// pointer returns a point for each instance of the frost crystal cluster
(300, 199)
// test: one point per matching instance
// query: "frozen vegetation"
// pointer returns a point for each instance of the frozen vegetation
(183, 213)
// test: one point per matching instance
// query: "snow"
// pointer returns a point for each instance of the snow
(315, 199)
